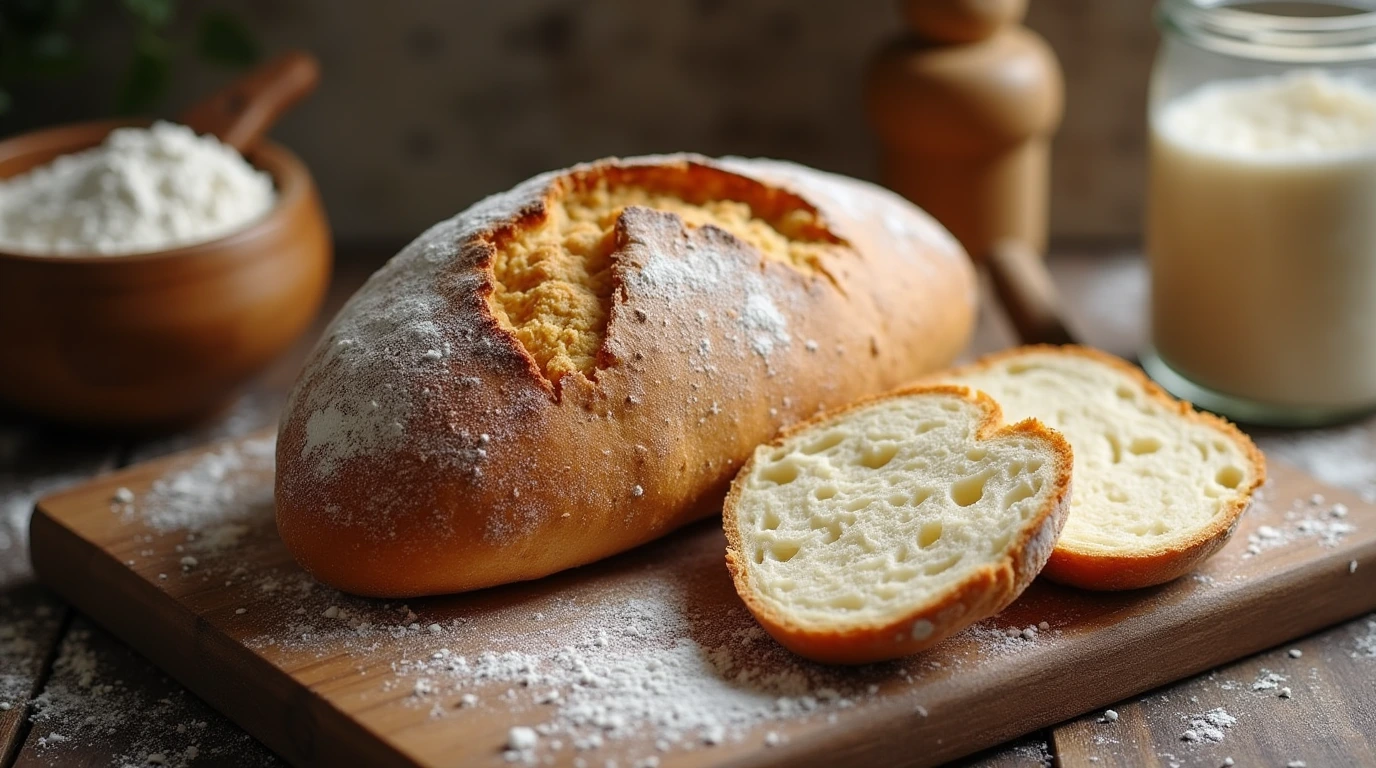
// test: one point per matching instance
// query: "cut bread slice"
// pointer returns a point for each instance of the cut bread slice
(1159, 486)
(877, 530)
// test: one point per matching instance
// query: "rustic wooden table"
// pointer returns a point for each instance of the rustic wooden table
(51, 657)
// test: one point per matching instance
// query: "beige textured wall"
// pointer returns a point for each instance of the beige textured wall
(426, 105)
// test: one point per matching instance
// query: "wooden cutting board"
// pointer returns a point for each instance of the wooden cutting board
(192, 574)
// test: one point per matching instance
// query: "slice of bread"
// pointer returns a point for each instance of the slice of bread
(1158, 486)
(875, 531)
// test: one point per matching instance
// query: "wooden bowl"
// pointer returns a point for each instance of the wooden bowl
(160, 338)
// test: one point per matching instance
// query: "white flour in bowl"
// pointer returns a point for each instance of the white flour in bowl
(143, 189)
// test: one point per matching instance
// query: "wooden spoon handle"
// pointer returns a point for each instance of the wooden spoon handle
(1027, 294)
(241, 112)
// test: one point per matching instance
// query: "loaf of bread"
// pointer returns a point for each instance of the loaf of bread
(582, 364)
(1159, 487)
(879, 530)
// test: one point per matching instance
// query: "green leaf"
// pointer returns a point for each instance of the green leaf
(224, 40)
(154, 13)
(146, 79)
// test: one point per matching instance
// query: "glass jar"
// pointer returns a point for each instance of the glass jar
(1261, 209)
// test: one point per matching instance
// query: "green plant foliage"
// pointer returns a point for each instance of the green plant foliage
(38, 42)
(224, 40)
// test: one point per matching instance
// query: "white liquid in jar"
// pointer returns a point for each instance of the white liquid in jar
(1261, 232)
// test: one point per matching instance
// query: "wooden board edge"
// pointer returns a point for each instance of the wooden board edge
(195, 654)
(1118, 660)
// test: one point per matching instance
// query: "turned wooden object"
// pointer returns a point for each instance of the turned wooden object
(965, 105)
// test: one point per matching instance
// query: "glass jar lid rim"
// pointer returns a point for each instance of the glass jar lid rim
(1238, 28)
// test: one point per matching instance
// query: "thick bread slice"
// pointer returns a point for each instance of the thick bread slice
(877, 530)
(1159, 486)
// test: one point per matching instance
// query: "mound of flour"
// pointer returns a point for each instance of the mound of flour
(144, 189)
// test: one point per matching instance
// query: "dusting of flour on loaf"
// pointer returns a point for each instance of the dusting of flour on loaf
(766, 323)
(383, 359)
(417, 390)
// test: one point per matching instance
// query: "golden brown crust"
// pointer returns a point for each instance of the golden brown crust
(981, 595)
(1150, 565)
(472, 470)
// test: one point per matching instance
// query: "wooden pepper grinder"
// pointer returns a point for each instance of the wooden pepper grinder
(965, 106)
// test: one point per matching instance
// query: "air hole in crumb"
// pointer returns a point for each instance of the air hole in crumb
(771, 520)
(1115, 448)
(976, 454)
(922, 495)
(1018, 369)
(1229, 477)
(1141, 446)
(1124, 392)
(851, 602)
(898, 500)
(1220, 446)
(783, 551)
(1020, 492)
(1117, 495)
(781, 473)
(759, 555)
(825, 492)
(900, 574)
(928, 426)
(828, 441)
(929, 533)
(950, 405)
(832, 528)
(1034, 465)
(969, 490)
(941, 566)
(855, 505)
(878, 456)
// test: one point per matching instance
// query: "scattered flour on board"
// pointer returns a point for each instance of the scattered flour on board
(210, 498)
(1306, 519)
(1207, 726)
(1365, 645)
(582, 674)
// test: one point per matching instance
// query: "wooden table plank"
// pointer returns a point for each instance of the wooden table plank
(1328, 719)
(34, 461)
(105, 705)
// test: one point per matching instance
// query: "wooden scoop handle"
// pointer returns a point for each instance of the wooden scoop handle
(1027, 294)
(241, 112)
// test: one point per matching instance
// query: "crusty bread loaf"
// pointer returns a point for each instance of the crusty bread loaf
(1158, 486)
(880, 529)
(580, 365)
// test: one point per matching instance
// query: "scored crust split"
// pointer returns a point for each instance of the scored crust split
(877, 530)
(580, 365)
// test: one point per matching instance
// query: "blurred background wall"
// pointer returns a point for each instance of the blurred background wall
(427, 105)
